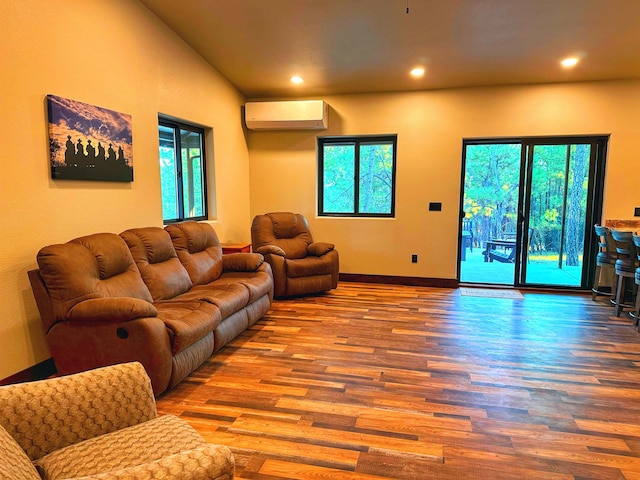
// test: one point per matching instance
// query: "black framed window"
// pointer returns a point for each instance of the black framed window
(357, 176)
(182, 171)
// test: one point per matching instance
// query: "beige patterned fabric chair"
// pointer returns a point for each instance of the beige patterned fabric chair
(100, 424)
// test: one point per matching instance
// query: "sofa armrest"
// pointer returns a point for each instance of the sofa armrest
(208, 462)
(278, 273)
(241, 262)
(78, 346)
(317, 249)
(111, 310)
(273, 249)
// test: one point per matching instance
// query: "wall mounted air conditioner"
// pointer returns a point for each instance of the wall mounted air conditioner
(289, 115)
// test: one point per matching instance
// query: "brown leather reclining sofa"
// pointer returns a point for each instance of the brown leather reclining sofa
(167, 298)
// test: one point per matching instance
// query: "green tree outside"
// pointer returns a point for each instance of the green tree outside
(558, 196)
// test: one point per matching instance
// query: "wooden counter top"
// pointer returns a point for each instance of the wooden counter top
(628, 225)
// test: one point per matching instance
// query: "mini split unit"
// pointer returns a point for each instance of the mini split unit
(290, 115)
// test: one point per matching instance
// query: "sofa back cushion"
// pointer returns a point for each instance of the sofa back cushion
(289, 231)
(153, 253)
(198, 249)
(94, 266)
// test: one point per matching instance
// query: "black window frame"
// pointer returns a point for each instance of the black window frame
(357, 141)
(177, 126)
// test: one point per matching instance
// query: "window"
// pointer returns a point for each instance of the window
(182, 171)
(357, 176)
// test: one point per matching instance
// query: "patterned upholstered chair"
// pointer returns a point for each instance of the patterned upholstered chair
(100, 424)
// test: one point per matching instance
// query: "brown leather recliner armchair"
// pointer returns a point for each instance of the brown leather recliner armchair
(299, 264)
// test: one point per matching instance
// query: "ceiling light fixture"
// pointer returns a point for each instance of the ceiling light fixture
(417, 72)
(569, 62)
(297, 79)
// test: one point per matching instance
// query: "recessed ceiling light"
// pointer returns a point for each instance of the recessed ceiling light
(569, 62)
(417, 72)
(297, 79)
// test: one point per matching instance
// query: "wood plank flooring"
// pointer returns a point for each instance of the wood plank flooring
(375, 382)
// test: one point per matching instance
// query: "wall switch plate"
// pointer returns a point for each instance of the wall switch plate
(414, 258)
(435, 206)
(636, 212)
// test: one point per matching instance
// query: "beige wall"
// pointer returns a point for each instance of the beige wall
(431, 126)
(114, 54)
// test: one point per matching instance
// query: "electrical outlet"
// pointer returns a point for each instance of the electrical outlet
(414, 258)
(636, 212)
(435, 206)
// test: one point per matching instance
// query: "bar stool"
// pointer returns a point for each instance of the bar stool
(605, 262)
(625, 266)
(636, 311)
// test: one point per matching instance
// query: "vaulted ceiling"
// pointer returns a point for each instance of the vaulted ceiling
(357, 46)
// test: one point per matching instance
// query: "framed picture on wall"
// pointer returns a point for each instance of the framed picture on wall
(88, 142)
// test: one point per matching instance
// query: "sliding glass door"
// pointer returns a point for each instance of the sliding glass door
(529, 206)
(491, 201)
(556, 214)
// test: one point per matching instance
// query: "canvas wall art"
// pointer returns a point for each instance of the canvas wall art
(88, 142)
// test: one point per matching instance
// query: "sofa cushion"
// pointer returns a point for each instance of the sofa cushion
(229, 297)
(257, 283)
(95, 266)
(198, 249)
(203, 463)
(188, 322)
(129, 447)
(14, 463)
(153, 252)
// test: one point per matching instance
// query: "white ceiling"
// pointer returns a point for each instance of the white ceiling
(354, 46)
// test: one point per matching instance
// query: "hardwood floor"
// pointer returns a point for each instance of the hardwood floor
(376, 381)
